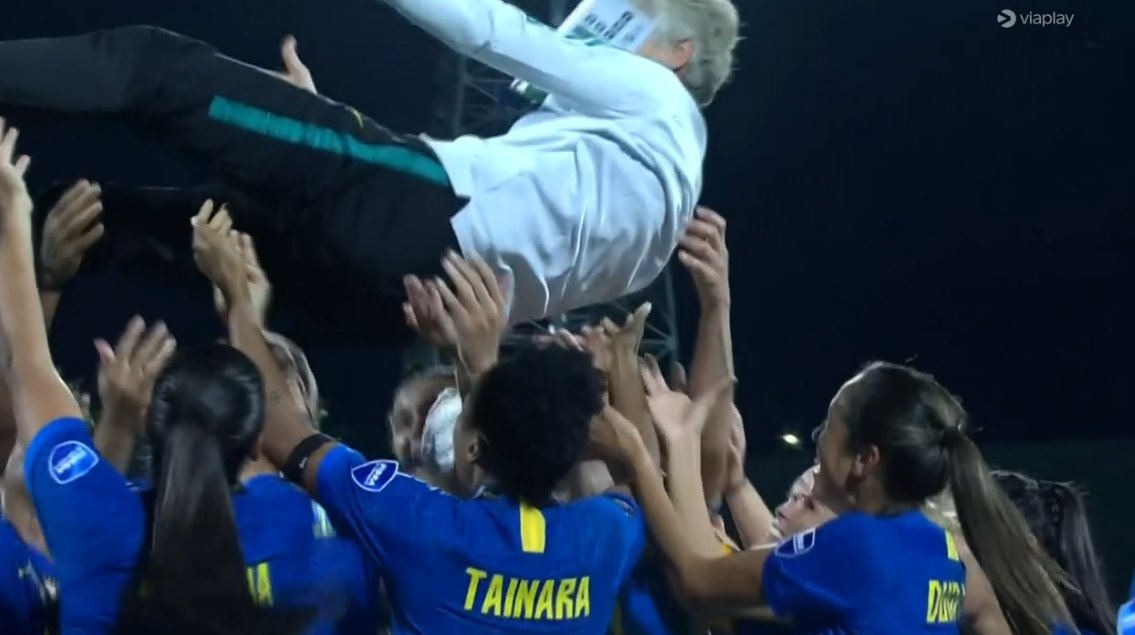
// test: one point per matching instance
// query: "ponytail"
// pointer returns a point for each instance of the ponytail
(1024, 578)
(195, 575)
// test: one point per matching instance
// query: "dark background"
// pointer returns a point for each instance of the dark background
(902, 180)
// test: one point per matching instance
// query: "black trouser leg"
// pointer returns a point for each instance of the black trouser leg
(263, 134)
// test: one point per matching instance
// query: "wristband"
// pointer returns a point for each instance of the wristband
(297, 460)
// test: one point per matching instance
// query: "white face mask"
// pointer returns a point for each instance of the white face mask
(437, 435)
(616, 23)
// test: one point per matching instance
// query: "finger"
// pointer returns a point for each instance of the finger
(490, 283)
(290, 53)
(248, 250)
(129, 340)
(78, 218)
(160, 357)
(460, 283)
(105, 351)
(678, 379)
(409, 315)
(708, 215)
(452, 304)
(149, 345)
(698, 268)
(636, 322)
(609, 327)
(83, 199)
(92, 236)
(22, 164)
(702, 229)
(77, 189)
(203, 214)
(221, 222)
(652, 378)
(8, 143)
(698, 247)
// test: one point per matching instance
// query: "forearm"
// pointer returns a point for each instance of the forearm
(713, 363)
(38, 393)
(49, 302)
(114, 439)
(628, 396)
(666, 526)
(751, 515)
(683, 479)
(284, 426)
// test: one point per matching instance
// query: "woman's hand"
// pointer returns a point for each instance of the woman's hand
(217, 254)
(15, 203)
(477, 308)
(675, 415)
(704, 254)
(127, 371)
(70, 229)
(259, 287)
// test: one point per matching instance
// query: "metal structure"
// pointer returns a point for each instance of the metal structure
(475, 99)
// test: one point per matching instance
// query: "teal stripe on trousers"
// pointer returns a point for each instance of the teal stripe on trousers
(293, 131)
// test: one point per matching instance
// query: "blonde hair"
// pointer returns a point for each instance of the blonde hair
(714, 28)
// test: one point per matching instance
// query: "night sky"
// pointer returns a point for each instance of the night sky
(902, 180)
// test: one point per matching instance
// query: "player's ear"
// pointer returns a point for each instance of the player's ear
(866, 459)
(474, 450)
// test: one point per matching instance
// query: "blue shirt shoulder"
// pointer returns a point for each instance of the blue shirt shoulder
(843, 575)
(29, 593)
(484, 565)
(295, 559)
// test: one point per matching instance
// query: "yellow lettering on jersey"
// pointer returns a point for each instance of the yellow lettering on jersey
(943, 601)
(475, 577)
(544, 604)
(521, 599)
(952, 548)
(260, 584)
(492, 603)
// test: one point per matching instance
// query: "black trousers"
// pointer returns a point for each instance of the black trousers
(352, 205)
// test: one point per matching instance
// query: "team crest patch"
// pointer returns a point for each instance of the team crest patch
(375, 475)
(797, 545)
(70, 461)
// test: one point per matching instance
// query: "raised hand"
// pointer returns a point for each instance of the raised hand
(675, 415)
(478, 308)
(295, 71)
(15, 203)
(218, 254)
(128, 370)
(259, 287)
(425, 312)
(71, 228)
(612, 437)
(704, 254)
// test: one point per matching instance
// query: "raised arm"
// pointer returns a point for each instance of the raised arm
(39, 395)
(504, 37)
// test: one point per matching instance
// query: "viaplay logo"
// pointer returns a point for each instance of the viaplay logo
(1009, 19)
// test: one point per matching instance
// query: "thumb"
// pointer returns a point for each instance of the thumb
(105, 351)
(288, 51)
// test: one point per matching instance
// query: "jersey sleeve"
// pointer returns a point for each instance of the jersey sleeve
(391, 515)
(93, 523)
(819, 572)
(502, 36)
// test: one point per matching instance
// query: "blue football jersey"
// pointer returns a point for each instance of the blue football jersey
(93, 523)
(1125, 624)
(868, 574)
(647, 605)
(29, 594)
(294, 557)
(488, 565)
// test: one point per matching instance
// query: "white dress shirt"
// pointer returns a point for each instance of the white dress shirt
(584, 199)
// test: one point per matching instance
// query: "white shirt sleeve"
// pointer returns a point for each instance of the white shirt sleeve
(502, 36)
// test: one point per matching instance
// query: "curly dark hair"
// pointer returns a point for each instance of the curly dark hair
(534, 410)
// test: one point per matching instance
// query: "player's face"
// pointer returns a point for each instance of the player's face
(801, 511)
(408, 417)
(833, 482)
